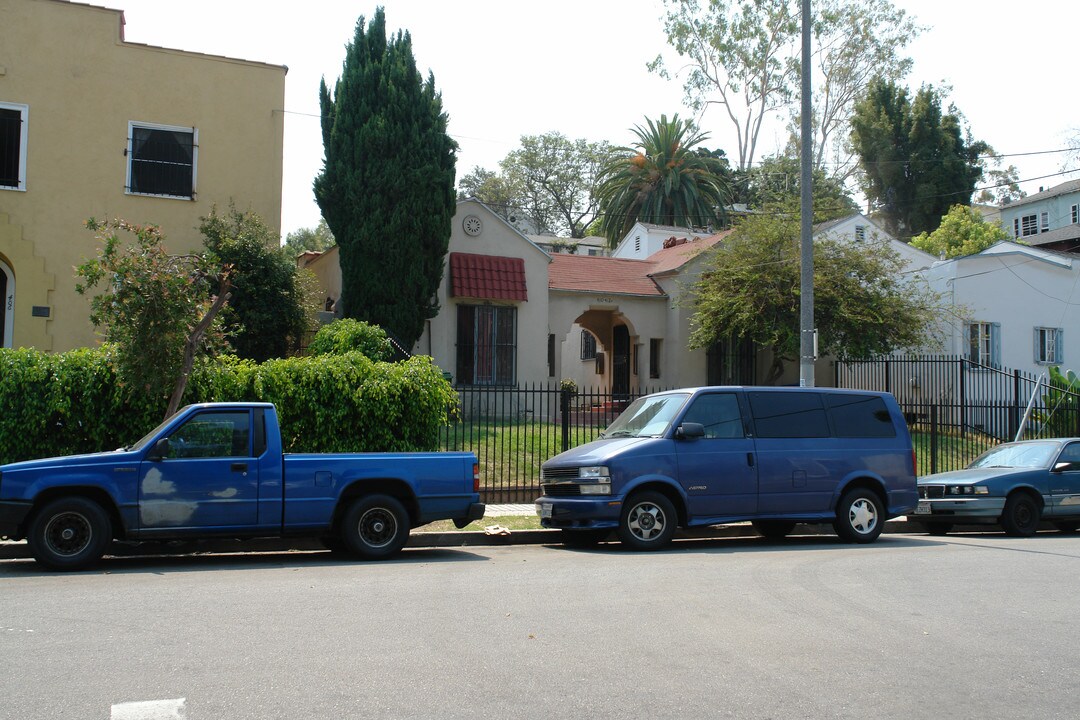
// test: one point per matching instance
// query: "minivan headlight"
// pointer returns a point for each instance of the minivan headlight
(594, 473)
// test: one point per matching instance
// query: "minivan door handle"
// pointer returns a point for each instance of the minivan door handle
(750, 459)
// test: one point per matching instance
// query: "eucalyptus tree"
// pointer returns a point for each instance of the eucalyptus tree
(661, 179)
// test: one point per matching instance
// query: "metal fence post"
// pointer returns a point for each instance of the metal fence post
(933, 438)
(564, 412)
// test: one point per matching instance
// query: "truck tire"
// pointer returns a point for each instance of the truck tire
(69, 533)
(375, 527)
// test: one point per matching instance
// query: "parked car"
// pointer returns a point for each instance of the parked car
(712, 455)
(1015, 485)
(217, 469)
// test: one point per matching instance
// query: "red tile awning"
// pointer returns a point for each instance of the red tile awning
(487, 277)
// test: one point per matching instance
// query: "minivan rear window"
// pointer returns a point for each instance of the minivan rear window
(788, 414)
(859, 416)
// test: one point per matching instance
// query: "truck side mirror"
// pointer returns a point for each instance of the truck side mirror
(160, 449)
(689, 431)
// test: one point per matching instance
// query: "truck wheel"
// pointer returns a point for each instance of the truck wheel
(648, 521)
(375, 527)
(859, 516)
(69, 533)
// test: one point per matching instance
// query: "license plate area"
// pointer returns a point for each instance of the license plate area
(923, 508)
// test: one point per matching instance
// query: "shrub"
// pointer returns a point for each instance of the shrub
(67, 403)
(348, 335)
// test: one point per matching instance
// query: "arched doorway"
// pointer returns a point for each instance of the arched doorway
(7, 304)
(620, 362)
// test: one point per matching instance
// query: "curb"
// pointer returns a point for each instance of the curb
(18, 550)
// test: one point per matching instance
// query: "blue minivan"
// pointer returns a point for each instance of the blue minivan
(775, 456)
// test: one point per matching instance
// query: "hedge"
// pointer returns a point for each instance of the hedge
(68, 403)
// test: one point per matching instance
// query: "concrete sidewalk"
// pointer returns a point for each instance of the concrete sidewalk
(421, 539)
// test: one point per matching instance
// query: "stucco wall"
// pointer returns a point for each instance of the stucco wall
(83, 85)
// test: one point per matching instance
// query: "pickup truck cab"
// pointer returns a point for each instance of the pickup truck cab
(217, 470)
(706, 456)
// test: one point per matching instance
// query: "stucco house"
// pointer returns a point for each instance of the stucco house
(94, 126)
(1049, 219)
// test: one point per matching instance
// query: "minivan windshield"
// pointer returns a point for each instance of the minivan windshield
(1028, 454)
(647, 416)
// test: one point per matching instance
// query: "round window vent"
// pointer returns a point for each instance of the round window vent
(472, 225)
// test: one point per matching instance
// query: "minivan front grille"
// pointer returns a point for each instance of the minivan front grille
(564, 473)
(561, 489)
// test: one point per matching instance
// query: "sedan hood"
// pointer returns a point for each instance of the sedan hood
(972, 475)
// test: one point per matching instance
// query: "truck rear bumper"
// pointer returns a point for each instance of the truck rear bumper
(12, 515)
(476, 512)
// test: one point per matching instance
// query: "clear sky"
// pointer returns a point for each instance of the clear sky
(507, 68)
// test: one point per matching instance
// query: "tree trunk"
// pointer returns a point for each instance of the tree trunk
(192, 345)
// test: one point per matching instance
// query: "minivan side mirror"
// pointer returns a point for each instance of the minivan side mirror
(689, 431)
(160, 449)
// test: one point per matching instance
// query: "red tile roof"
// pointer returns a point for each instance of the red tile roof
(587, 273)
(674, 257)
(487, 277)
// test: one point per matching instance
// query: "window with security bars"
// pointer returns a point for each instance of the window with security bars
(162, 160)
(588, 345)
(1048, 346)
(12, 146)
(983, 343)
(486, 344)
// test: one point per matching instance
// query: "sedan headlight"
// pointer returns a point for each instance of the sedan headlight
(966, 490)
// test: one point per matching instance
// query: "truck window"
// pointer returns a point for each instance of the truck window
(860, 416)
(718, 413)
(212, 434)
(788, 414)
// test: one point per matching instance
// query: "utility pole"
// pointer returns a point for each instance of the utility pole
(807, 333)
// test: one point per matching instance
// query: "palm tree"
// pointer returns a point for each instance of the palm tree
(660, 179)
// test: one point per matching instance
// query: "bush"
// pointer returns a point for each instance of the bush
(67, 403)
(348, 335)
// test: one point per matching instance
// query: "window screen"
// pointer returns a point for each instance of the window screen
(788, 414)
(859, 416)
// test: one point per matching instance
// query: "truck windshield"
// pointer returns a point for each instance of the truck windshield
(149, 436)
(647, 416)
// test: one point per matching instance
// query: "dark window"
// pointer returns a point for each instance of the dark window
(719, 413)
(654, 357)
(588, 345)
(730, 362)
(859, 416)
(212, 434)
(788, 414)
(11, 150)
(1029, 225)
(486, 344)
(162, 161)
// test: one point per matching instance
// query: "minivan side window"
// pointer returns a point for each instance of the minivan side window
(718, 413)
(788, 414)
(859, 416)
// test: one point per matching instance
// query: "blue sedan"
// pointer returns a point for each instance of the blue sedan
(1015, 485)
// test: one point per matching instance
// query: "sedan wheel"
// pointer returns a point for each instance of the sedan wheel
(1021, 515)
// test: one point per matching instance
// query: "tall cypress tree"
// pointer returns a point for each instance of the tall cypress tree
(387, 185)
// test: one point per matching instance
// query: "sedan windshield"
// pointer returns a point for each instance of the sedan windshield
(1018, 455)
(647, 416)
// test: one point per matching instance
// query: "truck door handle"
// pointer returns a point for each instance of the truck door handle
(239, 467)
(750, 459)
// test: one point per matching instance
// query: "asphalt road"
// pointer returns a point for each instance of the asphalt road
(971, 626)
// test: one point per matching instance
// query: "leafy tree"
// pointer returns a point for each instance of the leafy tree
(387, 184)
(269, 310)
(318, 238)
(662, 179)
(775, 181)
(751, 289)
(962, 231)
(345, 336)
(745, 57)
(918, 161)
(159, 309)
(550, 179)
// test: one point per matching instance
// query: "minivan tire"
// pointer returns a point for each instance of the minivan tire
(648, 521)
(860, 516)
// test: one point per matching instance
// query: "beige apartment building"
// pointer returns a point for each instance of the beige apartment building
(94, 126)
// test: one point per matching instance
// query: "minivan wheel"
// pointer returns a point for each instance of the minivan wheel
(860, 516)
(648, 521)
(1021, 515)
(773, 529)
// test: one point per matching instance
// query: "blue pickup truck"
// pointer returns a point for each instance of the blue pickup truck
(218, 470)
